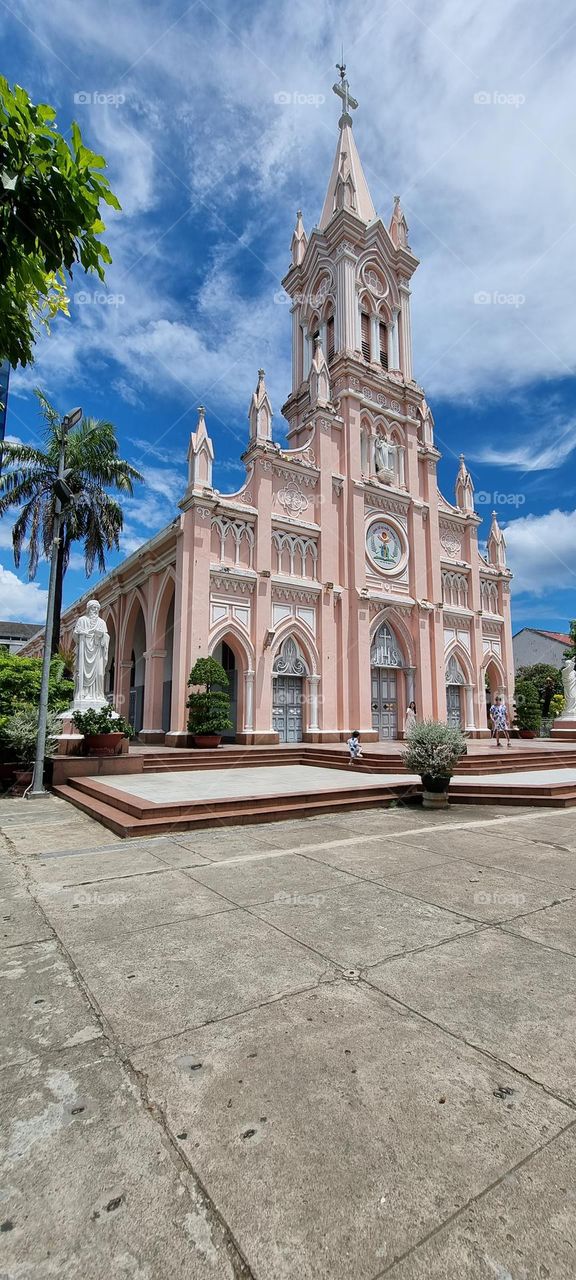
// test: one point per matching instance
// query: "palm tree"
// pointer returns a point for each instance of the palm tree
(92, 516)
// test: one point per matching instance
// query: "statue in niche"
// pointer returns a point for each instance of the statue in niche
(384, 457)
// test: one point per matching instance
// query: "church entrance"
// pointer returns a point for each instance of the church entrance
(225, 656)
(386, 688)
(288, 692)
(384, 703)
(287, 708)
(453, 706)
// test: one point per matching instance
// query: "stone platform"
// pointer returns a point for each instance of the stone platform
(178, 791)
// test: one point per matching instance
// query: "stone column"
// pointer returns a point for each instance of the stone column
(248, 701)
(406, 358)
(313, 682)
(122, 696)
(151, 730)
(393, 344)
(374, 339)
(469, 691)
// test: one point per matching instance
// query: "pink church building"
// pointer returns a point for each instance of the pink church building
(338, 584)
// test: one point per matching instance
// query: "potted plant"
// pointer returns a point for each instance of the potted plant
(528, 713)
(209, 704)
(103, 730)
(19, 733)
(433, 750)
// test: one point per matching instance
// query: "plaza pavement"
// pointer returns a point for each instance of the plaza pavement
(340, 1047)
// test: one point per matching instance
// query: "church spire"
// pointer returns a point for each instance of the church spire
(347, 188)
(260, 411)
(464, 487)
(399, 226)
(496, 545)
(299, 241)
(200, 455)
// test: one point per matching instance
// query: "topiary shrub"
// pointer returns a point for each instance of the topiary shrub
(528, 714)
(19, 733)
(557, 705)
(209, 705)
(433, 751)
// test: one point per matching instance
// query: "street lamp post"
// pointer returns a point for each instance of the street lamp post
(60, 490)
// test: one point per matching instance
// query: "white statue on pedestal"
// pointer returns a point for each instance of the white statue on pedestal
(569, 682)
(92, 640)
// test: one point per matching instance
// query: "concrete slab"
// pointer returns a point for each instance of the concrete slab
(21, 921)
(541, 861)
(266, 879)
(61, 836)
(467, 842)
(160, 981)
(79, 1158)
(328, 1148)
(497, 990)
(555, 927)
(234, 784)
(42, 1008)
(89, 868)
(480, 892)
(524, 1228)
(360, 925)
(373, 857)
(111, 908)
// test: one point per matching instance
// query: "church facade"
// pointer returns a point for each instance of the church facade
(338, 584)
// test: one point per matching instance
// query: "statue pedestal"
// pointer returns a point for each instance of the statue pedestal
(564, 729)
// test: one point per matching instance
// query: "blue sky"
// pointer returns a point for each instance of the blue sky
(218, 122)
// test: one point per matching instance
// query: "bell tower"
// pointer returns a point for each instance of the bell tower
(349, 284)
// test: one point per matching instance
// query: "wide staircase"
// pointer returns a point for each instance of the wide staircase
(479, 779)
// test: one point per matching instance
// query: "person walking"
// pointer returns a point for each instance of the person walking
(354, 747)
(410, 718)
(499, 718)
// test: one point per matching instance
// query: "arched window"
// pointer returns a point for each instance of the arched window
(289, 660)
(384, 651)
(383, 338)
(330, 338)
(365, 334)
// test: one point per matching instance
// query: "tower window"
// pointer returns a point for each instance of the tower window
(365, 335)
(330, 338)
(383, 335)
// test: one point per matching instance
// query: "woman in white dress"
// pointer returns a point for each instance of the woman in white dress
(410, 718)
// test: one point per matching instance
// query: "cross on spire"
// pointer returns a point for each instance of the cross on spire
(343, 90)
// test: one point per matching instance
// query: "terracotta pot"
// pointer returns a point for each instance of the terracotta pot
(103, 744)
(207, 739)
(526, 733)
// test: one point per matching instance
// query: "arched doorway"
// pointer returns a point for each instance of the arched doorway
(289, 673)
(227, 659)
(137, 672)
(456, 685)
(389, 693)
(110, 673)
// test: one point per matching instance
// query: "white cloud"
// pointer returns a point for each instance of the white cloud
(488, 187)
(21, 601)
(544, 451)
(541, 552)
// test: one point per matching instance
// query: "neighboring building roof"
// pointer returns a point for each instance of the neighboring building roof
(558, 636)
(18, 630)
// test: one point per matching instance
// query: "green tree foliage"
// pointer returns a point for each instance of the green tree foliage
(20, 684)
(571, 650)
(93, 517)
(209, 705)
(528, 713)
(50, 196)
(538, 676)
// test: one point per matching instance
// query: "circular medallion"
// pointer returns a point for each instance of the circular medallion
(385, 546)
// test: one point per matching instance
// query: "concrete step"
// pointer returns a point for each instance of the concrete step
(135, 819)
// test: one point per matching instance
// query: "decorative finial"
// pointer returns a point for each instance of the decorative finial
(261, 374)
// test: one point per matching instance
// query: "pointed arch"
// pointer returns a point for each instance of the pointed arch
(242, 648)
(130, 615)
(166, 592)
(456, 650)
(293, 627)
(400, 630)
